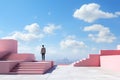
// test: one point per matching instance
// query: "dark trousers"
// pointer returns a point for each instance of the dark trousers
(43, 56)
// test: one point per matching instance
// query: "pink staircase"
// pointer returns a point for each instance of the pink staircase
(107, 59)
(32, 67)
(93, 60)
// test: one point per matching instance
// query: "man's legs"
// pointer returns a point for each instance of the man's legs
(43, 56)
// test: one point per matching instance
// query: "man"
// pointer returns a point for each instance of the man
(43, 51)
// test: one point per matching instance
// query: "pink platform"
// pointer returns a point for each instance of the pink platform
(12, 62)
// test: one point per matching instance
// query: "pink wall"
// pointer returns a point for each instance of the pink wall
(110, 62)
(9, 45)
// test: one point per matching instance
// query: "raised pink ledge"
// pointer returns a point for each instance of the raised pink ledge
(110, 52)
(21, 57)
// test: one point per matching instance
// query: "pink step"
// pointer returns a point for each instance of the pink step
(34, 69)
(28, 72)
(35, 64)
(30, 67)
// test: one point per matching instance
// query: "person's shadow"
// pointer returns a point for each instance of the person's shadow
(51, 69)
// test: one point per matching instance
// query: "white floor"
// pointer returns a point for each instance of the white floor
(69, 73)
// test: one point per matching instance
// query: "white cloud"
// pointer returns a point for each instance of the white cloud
(24, 48)
(70, 42)
(33, 28)
(50, 28)
(31, 32)
(103, 35)
(117, 13)
(23, 36)
(91, 12)
(118, 47)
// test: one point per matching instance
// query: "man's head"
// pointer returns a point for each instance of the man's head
(42, 45)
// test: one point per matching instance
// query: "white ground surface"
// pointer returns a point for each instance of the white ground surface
(68, 73)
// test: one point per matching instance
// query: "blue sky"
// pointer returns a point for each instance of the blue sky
(69, 29)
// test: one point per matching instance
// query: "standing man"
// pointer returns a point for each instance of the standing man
(43, 51)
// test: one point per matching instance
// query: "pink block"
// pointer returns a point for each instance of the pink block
(21, 57)
(8, 45)
(110, 52)
(6, 66)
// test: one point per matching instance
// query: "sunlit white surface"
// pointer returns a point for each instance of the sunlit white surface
(64, 72)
